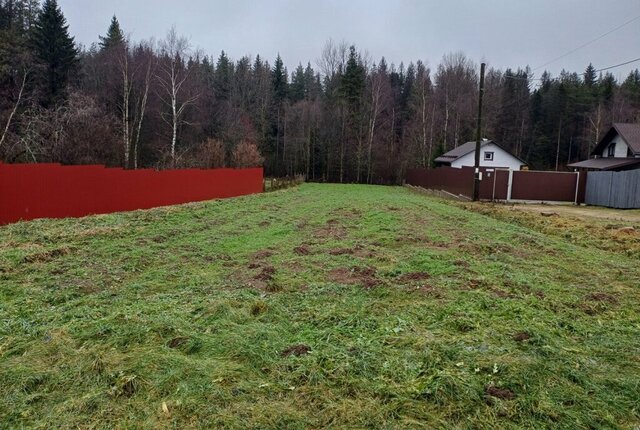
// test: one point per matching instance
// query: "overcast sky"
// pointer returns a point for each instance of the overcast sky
(507, 33)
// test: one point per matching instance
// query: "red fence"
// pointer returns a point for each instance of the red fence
(29, 191)
(495, 184)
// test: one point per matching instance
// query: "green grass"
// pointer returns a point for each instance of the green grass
(417, 313)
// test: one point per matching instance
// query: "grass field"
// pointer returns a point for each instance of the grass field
(339, 306)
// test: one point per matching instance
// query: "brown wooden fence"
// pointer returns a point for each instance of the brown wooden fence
(502, 184)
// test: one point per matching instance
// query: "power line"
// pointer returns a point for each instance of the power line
(588, 43)
(595, 71)
(618, 65)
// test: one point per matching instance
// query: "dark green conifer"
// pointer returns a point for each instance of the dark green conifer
(55, 51)
(114, 36)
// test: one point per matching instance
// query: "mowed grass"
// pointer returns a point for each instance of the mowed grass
(342, 306)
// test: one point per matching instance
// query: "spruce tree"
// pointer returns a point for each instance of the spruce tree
(353, 82)
(298, 84)
(590, 77)
(55, 50)
(279, 81)
(114, 36)
(223, 77)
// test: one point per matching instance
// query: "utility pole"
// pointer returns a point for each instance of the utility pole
(476, 176)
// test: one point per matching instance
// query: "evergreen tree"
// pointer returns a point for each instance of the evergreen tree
(223, 77)
(590, 77)
(312, 83)
(298, 84)
(353, 80)
(114, 36)
(279, 81)
(55, 50)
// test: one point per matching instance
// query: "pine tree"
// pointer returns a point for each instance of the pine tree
(114, 36)
(55, 50)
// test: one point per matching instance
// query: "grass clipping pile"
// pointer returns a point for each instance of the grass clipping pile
(608, 235)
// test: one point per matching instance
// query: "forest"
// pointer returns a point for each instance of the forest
(341, 117)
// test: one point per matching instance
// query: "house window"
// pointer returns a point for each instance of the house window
(611, 150)
(488, 156)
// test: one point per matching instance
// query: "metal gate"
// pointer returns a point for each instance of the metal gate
(614, 189)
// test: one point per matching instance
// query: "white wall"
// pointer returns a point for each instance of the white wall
(621, 147)
(501, 158)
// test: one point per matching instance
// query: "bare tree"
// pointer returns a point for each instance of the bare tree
(149, 63)
(172, 75)
(377, 81)
(25, 73)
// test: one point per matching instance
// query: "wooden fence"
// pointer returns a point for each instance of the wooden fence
(614, 189)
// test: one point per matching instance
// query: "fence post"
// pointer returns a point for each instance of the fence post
(510, 185)
(575, 201)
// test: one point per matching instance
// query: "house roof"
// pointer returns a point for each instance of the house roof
(630, 133)
(607, 163)
(465, 149)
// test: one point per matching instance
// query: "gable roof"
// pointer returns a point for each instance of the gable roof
(467, 148)
(630, 133)
(606, 163)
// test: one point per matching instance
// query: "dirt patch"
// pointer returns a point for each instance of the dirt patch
(302, 250)
(330, 231)
(461, 263)
(264, 223)
(429, 290)
(253, 265)
(584, 212)
(261, 255)
(342, 251)
(296, 350)
(499, 393)
(333, 221)
(177, 342)
(474, 284)
(501, 293)
(626, 230)
(266, 274)
(410, 239)
(414, 276)
(602, 297)
(295, 266)
(482, 284)
(521, 336)
(43, 257)
(365, 276)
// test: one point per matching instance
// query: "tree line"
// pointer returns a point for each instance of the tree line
(346, 118)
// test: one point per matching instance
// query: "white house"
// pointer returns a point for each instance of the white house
(619, 149)
(492, 155)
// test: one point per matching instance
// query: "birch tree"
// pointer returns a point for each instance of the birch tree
(19, 98)
(172, 76)
(147, 62)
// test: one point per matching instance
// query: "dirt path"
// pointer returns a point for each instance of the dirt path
(585, 212)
